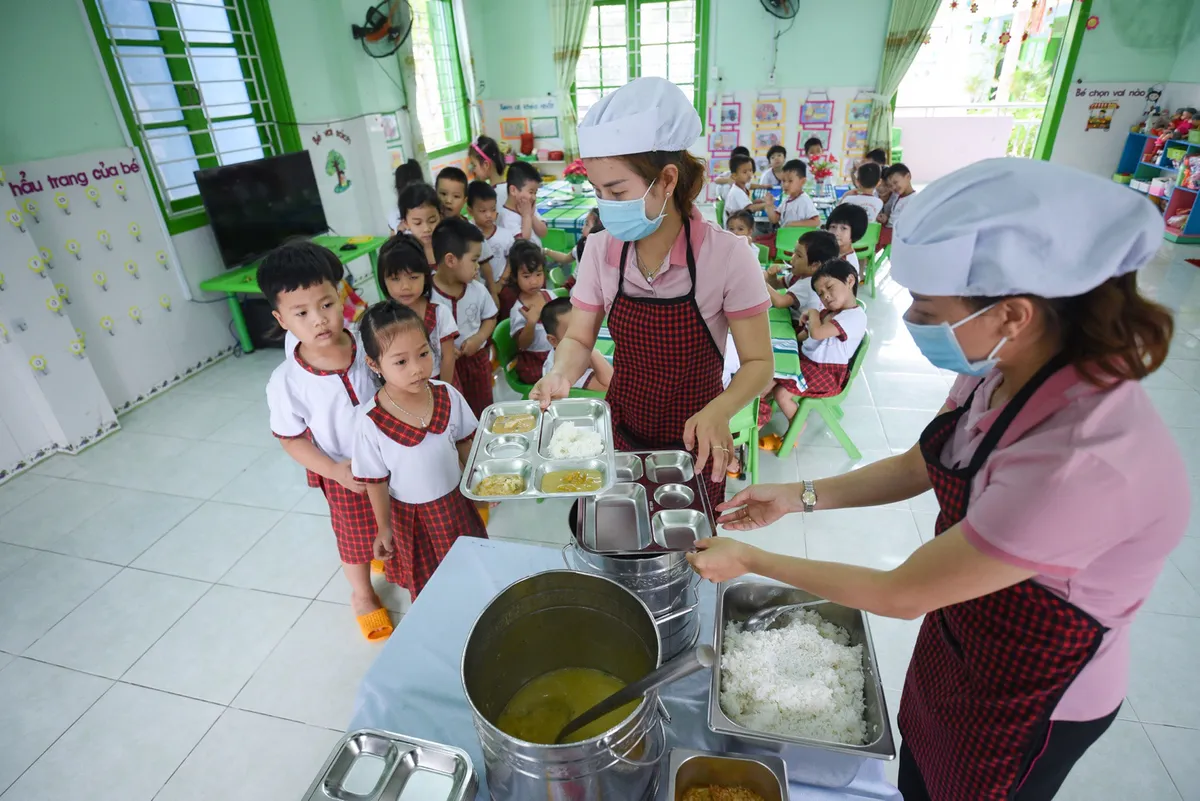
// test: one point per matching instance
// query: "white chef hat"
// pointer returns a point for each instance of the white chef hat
(643, 115)
(1021, 226)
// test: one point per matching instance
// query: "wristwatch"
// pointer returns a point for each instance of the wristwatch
(809, 496)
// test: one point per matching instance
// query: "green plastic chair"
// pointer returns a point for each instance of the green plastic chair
(865, 250)
(830, 409)
(555, 278)
(764, 254)
(506, 354)
(721, 212)
(558, 239)
(744, 426)
(875, 261)
(786, 239)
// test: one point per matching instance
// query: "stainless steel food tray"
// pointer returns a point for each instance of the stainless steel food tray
(526, 454)
(736, 601)
(765, 775)
(393, 767)
(657, 505)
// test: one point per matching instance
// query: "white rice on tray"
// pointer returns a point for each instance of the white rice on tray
(571, 442)
(799, 680)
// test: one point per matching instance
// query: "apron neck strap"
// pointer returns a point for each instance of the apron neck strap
(691, 259)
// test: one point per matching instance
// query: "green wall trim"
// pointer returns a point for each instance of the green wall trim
(272, 67)
(1064, 76)
(702, 13)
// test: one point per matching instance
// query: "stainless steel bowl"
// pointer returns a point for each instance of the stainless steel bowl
(760, 774)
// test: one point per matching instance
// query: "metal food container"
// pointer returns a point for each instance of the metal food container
(764, 775)
(527, 454)
(375, 765)
(838, 763)
(656, 506)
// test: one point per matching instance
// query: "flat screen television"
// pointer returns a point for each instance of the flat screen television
(255, 206)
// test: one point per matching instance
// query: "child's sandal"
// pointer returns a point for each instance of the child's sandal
(376, 566)
(770, 442)
(376, 625)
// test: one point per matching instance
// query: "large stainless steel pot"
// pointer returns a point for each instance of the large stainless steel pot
(550, 621)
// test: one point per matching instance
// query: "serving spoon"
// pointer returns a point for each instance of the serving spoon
(763, 618)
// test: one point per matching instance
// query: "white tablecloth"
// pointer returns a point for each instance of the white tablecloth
(415, 685)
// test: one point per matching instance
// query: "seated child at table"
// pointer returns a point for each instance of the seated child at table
(591, 224)
(407, 173)
(738, 199)
(519, 214)
(812, 148)
(527, 280)
(772, 176)
(421, 212)
(866, 180)
(828, 341)
(555, 318)
(848, 223)
(457, 244)
(406, 277)
(313, 398)
(741, 223)
(412, 439)
(481, 203)
(725, 179)
(796, 209)
(899, 181)
(813, 249)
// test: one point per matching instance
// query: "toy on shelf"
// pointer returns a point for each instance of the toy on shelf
(1189, 173)
(1178, 221)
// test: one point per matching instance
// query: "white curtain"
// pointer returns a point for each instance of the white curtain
(908, 24)
(568, 19)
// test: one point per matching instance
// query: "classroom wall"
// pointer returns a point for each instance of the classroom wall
(1135, 41)
(1187, 63)
(511, 48)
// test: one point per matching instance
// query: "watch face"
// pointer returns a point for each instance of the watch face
(808, 497)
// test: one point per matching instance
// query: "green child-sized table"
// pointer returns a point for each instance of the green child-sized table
(243, 280)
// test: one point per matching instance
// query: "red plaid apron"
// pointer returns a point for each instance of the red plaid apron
(986, 674)
(666, 367)
(422, 533)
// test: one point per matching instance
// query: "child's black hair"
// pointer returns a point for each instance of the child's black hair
(878, 155)
(813, 140)
(851, 215)
(900, 169)
(479, 191)
(524, 254)
(298, 264)
(404, 254)
(552, 312)
(740, 150)
(735, 162)
(452, 236)
(521, 173)
(868, 174)
(597, 225)
(407, 173)
(780, 149)
(381, 322)
(416, 195)
(885, 174)
(487, 145)
(839, 270)
(819, 246)
(452, 174)
(796, 166)
(744, 216)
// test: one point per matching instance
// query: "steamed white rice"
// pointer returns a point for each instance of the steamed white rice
(799, 680)
(571, 442)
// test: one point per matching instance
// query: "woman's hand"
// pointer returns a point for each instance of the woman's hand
(707, 433)
(551, 387)
(722, 558)
(759, 505)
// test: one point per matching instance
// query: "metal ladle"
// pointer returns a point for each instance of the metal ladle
(763, 618)
(702, 656)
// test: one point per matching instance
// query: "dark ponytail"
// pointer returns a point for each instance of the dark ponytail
(691, 173)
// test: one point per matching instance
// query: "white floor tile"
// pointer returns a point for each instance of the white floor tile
(904, 426)
(785, 536)
(312, 502)
(1164, 378)
(60, 465)
(324, 649)
(1186, 557)
(1177, 407)
(12, 557)
(214, 649)
(926, 523)
(1126, 712)
(925, 502)
(813, 462)
(107, 633)
(178, 414)
(860, 423)
(1173, 594)
(123, 749)
(1187, 371)
(908, 391)
(296, 557)
(37, 704)
(894, 640)
(125, 528)
(253, 757)
(251, 427)
(1122, 764)
(394, 599)
(42, 592)
(125, 455)
(17, 490)
(44, 518)
(273, 481)
(878, 538)
(198, 472)
(5, 659)
(1177, 748)
(860, 392)
(209, 542)
(1165, 653)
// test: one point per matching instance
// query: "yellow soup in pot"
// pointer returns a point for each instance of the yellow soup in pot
(540, 709)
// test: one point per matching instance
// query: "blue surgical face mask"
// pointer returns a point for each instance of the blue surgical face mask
(626, 219)
(939, 345)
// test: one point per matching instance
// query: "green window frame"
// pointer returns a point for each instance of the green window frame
(175, 67)
(442, 108)
(627, 39)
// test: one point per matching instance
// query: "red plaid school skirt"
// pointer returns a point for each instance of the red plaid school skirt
(507, 298)
(473, 377)
(422, 534)
(529, 365)
(352, 519)
(885, 238)
(823, 380)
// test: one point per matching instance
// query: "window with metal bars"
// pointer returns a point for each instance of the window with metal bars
(192, 82)
(441, 96)
(627, 39)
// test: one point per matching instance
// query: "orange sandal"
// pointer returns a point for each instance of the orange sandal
(770, 442)
(376, 625)
(376, 566)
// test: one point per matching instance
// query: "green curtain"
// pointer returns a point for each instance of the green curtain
(568, 19)
(908, 24)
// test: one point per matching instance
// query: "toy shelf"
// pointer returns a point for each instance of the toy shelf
(1142, 161)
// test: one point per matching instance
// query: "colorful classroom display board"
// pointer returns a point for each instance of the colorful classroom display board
(507, 120)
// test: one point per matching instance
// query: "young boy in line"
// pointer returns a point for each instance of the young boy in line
(796, 208)
(866, 180)
(725, 179)
(741, 223)
(314, 398)
(481, 203)
(519, 216)
(457, 244)
(555, 318)
(773, 175)
(420, 212)
(738, 199)
(813, 249)
(451, 187)
(899, 181)
(848, 224)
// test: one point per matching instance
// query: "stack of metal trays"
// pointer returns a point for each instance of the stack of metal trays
(374, 765)
(514, 438)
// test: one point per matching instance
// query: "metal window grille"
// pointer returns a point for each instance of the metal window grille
(441, 97)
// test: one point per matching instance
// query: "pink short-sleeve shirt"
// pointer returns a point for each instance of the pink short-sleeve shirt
(729, 282)
(1093, 499)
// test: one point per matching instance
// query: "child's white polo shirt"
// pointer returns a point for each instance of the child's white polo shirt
(469, 311)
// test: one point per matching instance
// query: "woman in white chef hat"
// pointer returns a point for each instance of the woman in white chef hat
(673, 285)
(1061, 491)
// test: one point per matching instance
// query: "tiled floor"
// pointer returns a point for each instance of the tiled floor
(173, 620)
